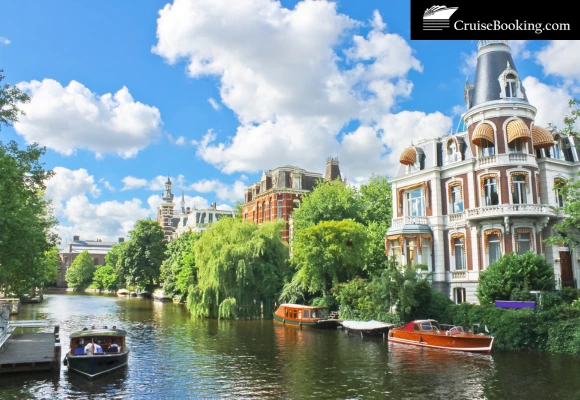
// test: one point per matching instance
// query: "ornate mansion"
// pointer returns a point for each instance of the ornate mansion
(463, 200)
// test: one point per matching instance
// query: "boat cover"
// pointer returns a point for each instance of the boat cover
(366, 325)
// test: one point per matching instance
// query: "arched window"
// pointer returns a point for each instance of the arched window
(511, 86)
(453, 154)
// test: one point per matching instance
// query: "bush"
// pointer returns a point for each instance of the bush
(529, 271)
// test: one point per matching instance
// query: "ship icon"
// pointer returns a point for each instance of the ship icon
(437, 17)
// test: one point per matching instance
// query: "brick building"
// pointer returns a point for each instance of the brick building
(96, 248)
(279, 192)
(463, 200)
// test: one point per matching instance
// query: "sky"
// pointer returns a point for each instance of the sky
(212, 93)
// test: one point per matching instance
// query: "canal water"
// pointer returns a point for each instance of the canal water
(175, 356)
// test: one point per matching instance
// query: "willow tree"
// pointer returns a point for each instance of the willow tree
(178, 271)
(240, 269)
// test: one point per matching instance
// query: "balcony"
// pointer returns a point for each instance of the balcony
(503, 210)
(407, 220)
(518, 157)
(457, 217)
(458, 276)
(487, 160)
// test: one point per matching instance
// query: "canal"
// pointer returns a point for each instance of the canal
(175, 356)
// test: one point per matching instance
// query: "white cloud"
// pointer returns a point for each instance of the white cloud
(279, 73)
(551, 102)
(518, 48)
(213, 103)
(131, 182)
(190, 201)
(180, 141)
(468, 63)
(223, 191)
(69, 118)
(107, 184)
(67, 183)
(560, 58)
(4, 40)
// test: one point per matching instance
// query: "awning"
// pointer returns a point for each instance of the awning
(482, 132)
(541, 138)
(409, 156)
(516, 129)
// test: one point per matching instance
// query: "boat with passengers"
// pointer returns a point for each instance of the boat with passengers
(429, 333)
(96, 351)
(303, 316)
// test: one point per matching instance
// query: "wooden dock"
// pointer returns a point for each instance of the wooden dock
(31, 352)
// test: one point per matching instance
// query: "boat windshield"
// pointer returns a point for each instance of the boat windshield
(319, 313)
(428, 326)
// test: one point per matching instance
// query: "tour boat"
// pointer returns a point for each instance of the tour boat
(159, 295)
(122, 292)
(367, 328)
(301, 316)
(144, 294)
(96, 351)
(429, 333)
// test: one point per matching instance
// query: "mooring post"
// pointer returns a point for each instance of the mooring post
(57, 352)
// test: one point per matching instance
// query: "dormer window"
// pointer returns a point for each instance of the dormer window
(453, 154)
(510, 87)
(297, 182)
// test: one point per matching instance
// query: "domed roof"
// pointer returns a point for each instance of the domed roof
(483, 131)
(409, 156)
(541, 138)
(517, 129)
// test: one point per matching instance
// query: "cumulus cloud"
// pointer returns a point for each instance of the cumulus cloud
(4, 40)
(279, 72)
(154, 202)
(468, 63)
(559, 58)
(131, 182)
(107, 184)
(223, 191)
(72, 117)
(67, 183)
(518, 48)
(551, 101)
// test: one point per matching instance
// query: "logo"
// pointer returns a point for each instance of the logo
(437, 17)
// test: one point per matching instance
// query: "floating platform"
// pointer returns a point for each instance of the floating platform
(31, 352)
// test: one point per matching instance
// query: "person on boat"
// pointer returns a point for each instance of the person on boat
(114, 347)
(93, 348)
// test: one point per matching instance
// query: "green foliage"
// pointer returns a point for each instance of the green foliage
(47, 271)
(80, 274)
(327, 254)
(10, 97)
(240, 270)
(139, 259)
(105, 278)
(514, 272)
(178, 271)
(329, 201)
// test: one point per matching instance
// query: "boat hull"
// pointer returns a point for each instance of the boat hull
(97, 365)
(316, 324)
(465, 343)
(162, 299)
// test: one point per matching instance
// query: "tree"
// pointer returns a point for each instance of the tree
(105, 278)
(140, 257)
(513, 272)
(329, 201)
(328, 253)
(178, 271)
(80, 274)
(240, 269)
(25, 216)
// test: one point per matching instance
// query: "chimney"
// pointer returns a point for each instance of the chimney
(188, 210)
(214, 205)
(121, 240)
(332, 169)
(76, 238)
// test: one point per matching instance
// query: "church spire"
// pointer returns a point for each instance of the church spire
(183, 201)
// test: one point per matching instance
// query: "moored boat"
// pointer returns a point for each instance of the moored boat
(94, 352)
(144, 294)
(302, 316)
(123, 292)
(429, 333)
(367, 328)
(159, 295)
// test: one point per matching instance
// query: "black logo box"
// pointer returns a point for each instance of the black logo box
(493, 20)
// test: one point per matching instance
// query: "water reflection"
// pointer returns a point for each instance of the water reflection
(175, 356)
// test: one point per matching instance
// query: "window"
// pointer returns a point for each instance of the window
(198, 216)
(306, 313)
(396, 250)
(210, 218)
(96, 261)
(452, 152)
(493, 248)
(456, 199)
(202, 218)
(459, 295)
(487, 148)
(490, 192)
(557, 150)
(279, 209)
(511, 86)
(519, 189)
(459, 254)
(296, 182)
(264, 213)
(523, 242)
(516, 146)
(559, 198)
(412, 256)
(426, 254)
(415, 203)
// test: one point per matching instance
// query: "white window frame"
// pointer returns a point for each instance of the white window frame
(456, 191)
(409, 201)
(279, 211)
(488, 255)
(463, 295)
(511, 87)
(486, 186)
(460, 246)
(517, 239)
(488, 150)
(520, 184)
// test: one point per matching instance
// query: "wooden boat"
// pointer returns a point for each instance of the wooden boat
(123, 292)
(94, 352)
(159, 295)
(367, 328)
(144, 294)
(428, 333)
(301, 316)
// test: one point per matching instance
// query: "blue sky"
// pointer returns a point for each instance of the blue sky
(214, 92)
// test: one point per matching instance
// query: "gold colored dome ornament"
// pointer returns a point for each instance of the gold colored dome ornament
(409, 156)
